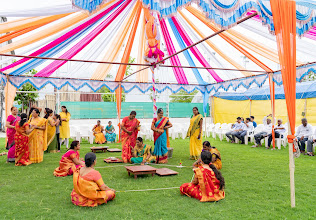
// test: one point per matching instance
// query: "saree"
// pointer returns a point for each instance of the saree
(11, 152)
(64, 127)
(21, 145)
(99, 136)
(216, 155)
(109, 135)
(142, 154)
(193, 133)
(207, 189)
(161, 140)
(66, 165)
(37, 140)
(129, 141)
(11, 131)
(51, 137)
(87, 191)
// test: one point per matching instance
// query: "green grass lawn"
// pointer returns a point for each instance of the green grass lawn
(257, 187)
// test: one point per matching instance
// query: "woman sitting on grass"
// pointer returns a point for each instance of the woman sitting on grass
(216, 155)
(142, 153)
(208, 183)
(89, 188)
(110, 135)
(69, 161)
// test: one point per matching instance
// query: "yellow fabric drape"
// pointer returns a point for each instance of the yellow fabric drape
(214, 47)
(79, 16)
(141, 76)
(112, 53)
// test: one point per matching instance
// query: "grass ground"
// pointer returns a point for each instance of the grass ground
(257, 187)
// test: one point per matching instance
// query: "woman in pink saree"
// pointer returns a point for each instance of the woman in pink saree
(130, 126)
(10, 125)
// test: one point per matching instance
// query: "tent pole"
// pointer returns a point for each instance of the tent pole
(250, 107)
(292, 169)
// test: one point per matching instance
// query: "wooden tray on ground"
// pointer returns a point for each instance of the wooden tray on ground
(114, 150)
(140, 170)
(107, 160)
(165, 172)
(99, 149)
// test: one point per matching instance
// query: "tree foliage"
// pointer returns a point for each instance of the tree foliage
(310, 77)
(184, 98)
(25, 99)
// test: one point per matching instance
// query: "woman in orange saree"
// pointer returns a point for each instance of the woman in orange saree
(160, 127)
(130, 126)
(22, 142)
(98, 133)
(38, 137)
(69, 161)
(216, 156)
(208, 183)
(89, 188)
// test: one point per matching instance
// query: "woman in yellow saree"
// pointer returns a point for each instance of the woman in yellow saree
(130, 126)
(208, 183)
(98, 133)
(195, 134)
(38, 137)
(142, 153)
(52, 144)
(160, 126)
(216, 156)
(64, 127)
(89, 188)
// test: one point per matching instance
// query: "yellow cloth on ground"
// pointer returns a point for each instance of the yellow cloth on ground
(64, 128)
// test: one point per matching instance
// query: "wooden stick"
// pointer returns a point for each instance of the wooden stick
(292, 169)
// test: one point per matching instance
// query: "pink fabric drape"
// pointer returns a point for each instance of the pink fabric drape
(194, 50)
(64, 37)
(51, 68)
(178, 72)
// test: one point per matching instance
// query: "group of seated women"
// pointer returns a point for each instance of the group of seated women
(98, 130)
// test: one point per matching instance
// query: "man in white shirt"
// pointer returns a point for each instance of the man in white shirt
(304, 131)
(237, 128)
(248, 127)
(265, 132)
(310, 143)
(279, 131)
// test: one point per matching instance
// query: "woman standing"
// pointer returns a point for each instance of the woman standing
(129, 133)
(57, 118)
(195, 134)
(51, 132)
(22, 142)
(38, 137)
(98, 133)
(10, 125)
(64, 127)
(110, 133)
(160, 127)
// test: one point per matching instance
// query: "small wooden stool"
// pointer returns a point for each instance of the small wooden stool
(140, 170)
(114, 150)
(99, 149)
(116, 160)
(165, 172)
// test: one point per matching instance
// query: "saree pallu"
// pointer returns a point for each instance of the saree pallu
(52, 146)
(87, 191)
(37, 140)
(128, 141)
(11, 131)
(207, 189)
(143, 154)
(11, 153)
(193, 133)
(66, 165)
(99, 136)
(161, 140)
(111, 137)
(21, 146)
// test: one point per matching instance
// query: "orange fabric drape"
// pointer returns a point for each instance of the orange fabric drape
(143, 75)
(115, 47)
(214, 47)
(202, 18)
(284, 19)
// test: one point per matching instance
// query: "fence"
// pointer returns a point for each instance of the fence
(87, 110)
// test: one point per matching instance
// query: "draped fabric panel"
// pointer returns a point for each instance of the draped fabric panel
(141, 76)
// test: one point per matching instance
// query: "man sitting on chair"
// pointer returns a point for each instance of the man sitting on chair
(248, 127)
(267, 130)
(237, 129)
(279, 131)
(252, 119)
(310, 143)
(302, 134)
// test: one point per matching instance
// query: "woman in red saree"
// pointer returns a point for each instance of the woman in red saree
(10, 125)
(21, 140)
(130, 126)
(70, 161)
(208, 183)
(89, 188)
(160, 127)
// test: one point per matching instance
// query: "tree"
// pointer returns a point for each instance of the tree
(111, 97)
(25, 99)
(310, 77)
(184, 98)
